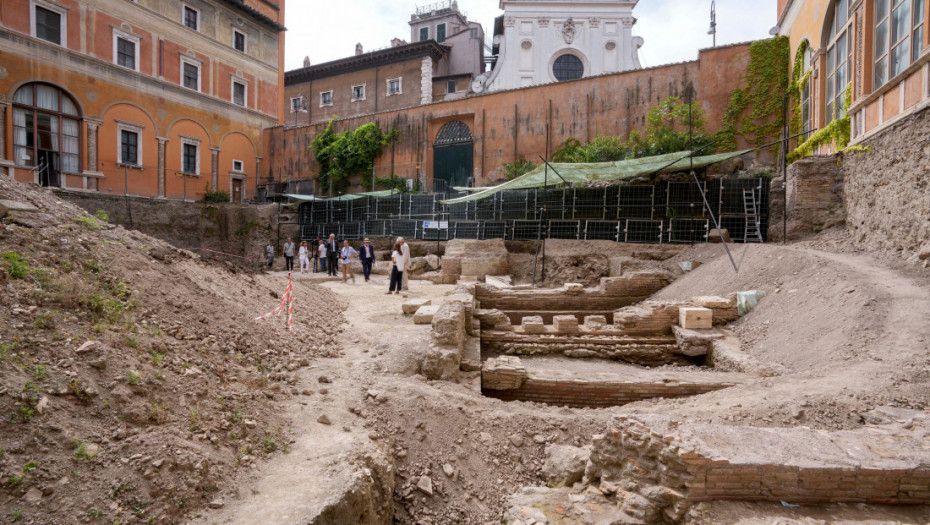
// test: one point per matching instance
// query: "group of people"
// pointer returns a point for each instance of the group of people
(327, 255)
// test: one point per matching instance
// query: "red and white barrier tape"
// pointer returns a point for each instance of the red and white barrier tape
(288, 300)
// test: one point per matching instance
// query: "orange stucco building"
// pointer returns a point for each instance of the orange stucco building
(880, 49)
(154, 98)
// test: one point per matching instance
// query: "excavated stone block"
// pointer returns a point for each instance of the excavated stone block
(695, 343)
(714, 302)
(695, 318)
(565, 324)
(574, 288)
(595, 322)
(412, 305)
(425, 314)
(451, 266)
(441, 363)
(500, 281)
(492, 318)
(533, 324)
(503, 373)
(449, 324)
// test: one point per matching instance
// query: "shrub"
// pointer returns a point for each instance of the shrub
(16, 265)
(89, 222)
(216, 196)
(102, 215)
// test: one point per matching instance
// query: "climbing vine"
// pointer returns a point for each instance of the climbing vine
(799, 80)
(352, 152)
(837, 132)
(755, 111)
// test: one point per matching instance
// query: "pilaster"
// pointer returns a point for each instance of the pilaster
(161, 166)
(214, 169)
(6, 164)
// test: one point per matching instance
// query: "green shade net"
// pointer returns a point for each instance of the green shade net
(586, 173)
(346, 197)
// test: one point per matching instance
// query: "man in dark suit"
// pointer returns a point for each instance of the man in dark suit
(367, 255)
(332, 255)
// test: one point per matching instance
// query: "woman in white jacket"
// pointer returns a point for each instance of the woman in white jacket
(304, 256)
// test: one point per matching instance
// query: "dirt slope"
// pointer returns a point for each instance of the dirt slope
(842, 333)
(133, 379)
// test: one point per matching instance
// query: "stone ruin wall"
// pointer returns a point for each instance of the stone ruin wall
(657, 468)
(881, 195)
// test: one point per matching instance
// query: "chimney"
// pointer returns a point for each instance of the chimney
(306, 61)
(359, 49)
(397, 42)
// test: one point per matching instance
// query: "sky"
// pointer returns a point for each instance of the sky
(327, 31)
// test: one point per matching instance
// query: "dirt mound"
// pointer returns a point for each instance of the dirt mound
(840, 333)
(133, 380)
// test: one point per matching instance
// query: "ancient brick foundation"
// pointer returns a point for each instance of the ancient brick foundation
(657, 468)
(505, 378)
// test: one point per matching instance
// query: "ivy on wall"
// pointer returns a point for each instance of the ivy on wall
(799, 80)
(344, 155)
(667, 131)
(755, 111)
(838, 132)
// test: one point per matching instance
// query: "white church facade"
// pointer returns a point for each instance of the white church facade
(544, 41)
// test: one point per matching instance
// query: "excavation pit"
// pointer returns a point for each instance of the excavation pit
(584, 347)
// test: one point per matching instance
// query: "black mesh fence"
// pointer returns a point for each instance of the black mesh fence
(668, 212)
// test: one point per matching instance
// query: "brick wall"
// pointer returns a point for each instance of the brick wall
(702, 462)
(507, 125)
(613, 293)
(815, 197)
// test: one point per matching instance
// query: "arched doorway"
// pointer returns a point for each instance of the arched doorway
(453, 156)
(46, 132)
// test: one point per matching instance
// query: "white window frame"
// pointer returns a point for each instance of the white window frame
(63, 11)
(184, 8)
(364, 87)
(300, 106)
(191, 141)
(194, 62)
(245, 92)
(245, 40)
(326, 104)
(117, 34)
(400, 86)
(241, 168)
(446, 26)
(420, 32)
(131, 127)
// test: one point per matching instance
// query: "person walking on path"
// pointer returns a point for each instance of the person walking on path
(269, 253)
(397, 269)
(367, 255)
(320, 254)
(348, 253)
(304, 257)
(289, 255)
(405, 249)
(332, 254)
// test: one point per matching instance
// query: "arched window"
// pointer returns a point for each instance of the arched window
(899, 35)
(806, 96)
(46, 131)
(567, 67)
(839, 59)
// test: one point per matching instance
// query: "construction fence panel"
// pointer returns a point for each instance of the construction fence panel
(465, 230)
(665, 212)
